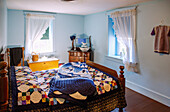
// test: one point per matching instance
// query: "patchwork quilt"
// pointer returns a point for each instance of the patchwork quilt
(34, 87)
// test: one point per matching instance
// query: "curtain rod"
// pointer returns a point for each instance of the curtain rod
(121, 8)
(39, 12)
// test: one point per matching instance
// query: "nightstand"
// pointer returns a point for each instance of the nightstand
(43, 64)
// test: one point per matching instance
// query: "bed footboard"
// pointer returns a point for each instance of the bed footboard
(113, 73)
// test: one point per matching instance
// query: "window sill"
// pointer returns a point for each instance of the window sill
(116, 59)
(48, 54)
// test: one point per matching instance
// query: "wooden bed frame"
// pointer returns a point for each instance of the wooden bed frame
(4, 81)
(4, 65)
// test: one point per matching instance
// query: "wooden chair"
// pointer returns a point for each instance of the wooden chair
(8, 51)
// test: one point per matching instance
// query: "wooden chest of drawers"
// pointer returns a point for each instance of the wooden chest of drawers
(75, 56)
(43, 64)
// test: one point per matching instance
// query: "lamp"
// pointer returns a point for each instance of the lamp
(72, 39)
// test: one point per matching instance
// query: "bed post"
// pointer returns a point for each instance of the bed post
(8, 57)
(121, 77)
(23, 56)
(3, 85)
(122, 81)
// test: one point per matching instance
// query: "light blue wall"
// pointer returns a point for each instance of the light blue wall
(154, 77)
(3, 24)
(64, 26)
(15, 28)
(95, 25)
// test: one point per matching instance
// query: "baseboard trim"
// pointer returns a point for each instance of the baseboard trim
(149, 93)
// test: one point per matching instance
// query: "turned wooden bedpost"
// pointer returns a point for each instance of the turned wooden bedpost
(122, 81)
(23, 56)
(3, 86)
(8, 57)
(121, 77)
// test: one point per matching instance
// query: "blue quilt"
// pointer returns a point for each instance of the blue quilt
(74, 77)
(82, 85)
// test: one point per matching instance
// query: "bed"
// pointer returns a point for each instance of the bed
(33, 91)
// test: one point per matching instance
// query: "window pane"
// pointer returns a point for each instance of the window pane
(45, 44)
(115, 48)
(46, 35)
(111, 37)
(120, 49)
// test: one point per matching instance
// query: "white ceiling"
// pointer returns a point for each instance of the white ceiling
(80, 7)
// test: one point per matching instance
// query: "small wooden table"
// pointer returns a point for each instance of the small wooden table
(43, 64)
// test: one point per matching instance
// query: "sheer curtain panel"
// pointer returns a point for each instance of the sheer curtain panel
(36, 25)
(125, 30)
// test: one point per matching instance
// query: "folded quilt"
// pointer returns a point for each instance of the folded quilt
(68, 86)
(74, 85)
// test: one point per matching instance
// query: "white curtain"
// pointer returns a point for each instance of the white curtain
(125, 30)
(36, 25)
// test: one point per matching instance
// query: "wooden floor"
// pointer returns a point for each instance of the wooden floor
(139, 103)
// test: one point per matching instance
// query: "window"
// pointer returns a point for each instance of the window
(45, 43)
(115, 48)
(39, 37)
(122, 37)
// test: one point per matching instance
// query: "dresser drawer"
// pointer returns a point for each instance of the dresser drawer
(38, 66)
(75, 56)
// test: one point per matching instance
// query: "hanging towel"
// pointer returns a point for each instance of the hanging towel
(15, 56)
(161, 33)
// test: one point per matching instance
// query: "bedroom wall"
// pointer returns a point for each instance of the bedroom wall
(15, 28)
(64, 26)
(153, 80)
(3, 24)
